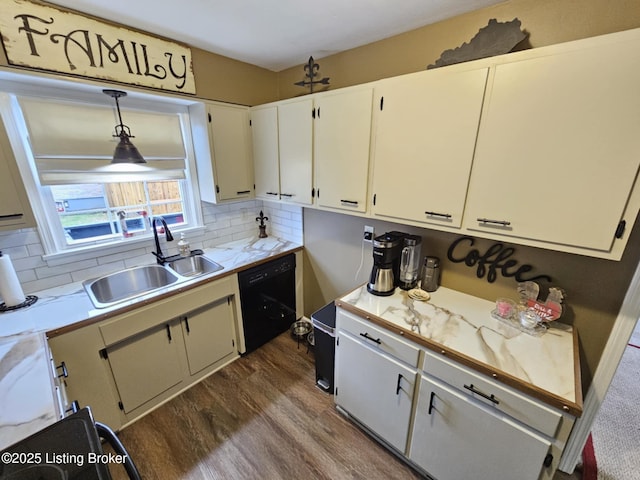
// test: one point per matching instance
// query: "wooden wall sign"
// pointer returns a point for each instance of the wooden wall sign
(495, 260)
(39, 36)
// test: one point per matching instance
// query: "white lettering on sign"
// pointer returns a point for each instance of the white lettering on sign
(39, 36)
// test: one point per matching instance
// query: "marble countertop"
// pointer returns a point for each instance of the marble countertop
(461, 327)
(69, 304)
(26, 391)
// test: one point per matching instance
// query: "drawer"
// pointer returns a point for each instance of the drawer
(525, 409)
(378, 337)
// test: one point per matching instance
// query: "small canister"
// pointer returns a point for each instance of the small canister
(431, 274)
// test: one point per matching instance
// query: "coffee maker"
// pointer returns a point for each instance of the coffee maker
(387, 249)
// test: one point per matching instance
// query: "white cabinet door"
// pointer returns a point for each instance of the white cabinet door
(208, 335)
(375, 389)
(264, 132)
(89, 380)
(231, 151)
(558, 148)
(15, 211)
(295, 133)
(342, 132)
(455, 437)
(146, 365)
(426, 131)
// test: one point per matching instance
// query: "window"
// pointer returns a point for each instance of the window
(88, 212)
(83, 201)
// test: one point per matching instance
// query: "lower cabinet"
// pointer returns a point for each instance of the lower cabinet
(146, 365)
(125, 366)
(446, 419)
(457, 437)
(208, 335)
(375, 389)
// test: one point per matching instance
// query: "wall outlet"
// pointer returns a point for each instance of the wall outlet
(368, 234)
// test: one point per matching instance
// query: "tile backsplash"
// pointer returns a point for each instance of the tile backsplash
(223, 223)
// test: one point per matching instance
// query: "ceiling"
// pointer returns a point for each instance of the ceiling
(276, 34)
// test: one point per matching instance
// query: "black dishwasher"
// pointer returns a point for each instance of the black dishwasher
(268, 300)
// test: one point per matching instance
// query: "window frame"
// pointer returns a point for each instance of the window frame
(52, 236)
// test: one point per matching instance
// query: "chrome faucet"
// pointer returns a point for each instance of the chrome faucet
(167, 234)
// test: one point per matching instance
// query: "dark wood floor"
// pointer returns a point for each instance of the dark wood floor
(262, 417)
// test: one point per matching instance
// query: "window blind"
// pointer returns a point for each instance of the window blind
(73, 142)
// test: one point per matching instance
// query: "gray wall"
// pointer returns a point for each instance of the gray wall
(594, 287)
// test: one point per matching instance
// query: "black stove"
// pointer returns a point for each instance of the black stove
(69, 449)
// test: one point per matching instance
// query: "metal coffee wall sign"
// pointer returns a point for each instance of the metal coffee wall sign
(495, 260)
(38, 36)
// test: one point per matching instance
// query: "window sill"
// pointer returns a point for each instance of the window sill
(111, 248)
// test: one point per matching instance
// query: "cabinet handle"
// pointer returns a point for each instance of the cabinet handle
(169, 332)
(271, 193)
(243, 192)
(10, 216)
(548, 460)
(491, 397)
(368, 337)
(73, 408)
(186, 324)
(288, 195)
(433, 395)
(436, 214)
(398, 388)
(65, 372)
(504, 223)
(350, 202)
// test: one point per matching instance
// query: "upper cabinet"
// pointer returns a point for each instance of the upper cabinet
(264, 131)
(15, 211)
(558, 150)
(225, 163)
(342, 132)
(295, 134)
(425, 137)
(283, 151)
(538, 147)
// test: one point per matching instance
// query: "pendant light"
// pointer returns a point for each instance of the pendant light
(125, 151)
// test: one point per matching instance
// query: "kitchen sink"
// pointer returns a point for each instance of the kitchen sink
(193, 266)
(125, 284)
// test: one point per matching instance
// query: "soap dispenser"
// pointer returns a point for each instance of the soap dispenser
(183, 246)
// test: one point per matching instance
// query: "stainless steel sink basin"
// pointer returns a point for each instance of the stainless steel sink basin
(193, 266)
(125, 284)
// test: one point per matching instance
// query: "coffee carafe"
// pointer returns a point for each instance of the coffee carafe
(410, 262)
(386, 263)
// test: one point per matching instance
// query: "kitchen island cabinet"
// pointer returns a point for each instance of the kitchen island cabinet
(342, 131)
(425, 137)
(484, 390)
